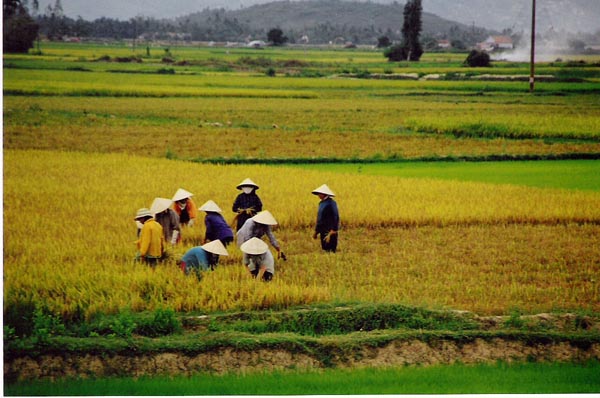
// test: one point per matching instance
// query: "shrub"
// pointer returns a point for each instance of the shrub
(166, 71)
(478, 58)
(163, 322)
(124, 324)
(46, 325)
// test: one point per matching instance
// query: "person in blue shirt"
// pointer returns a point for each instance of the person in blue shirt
(200, 258)
(328, 219)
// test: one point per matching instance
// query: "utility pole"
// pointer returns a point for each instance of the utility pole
(532, 62)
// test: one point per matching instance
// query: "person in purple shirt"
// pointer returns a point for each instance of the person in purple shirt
(216, 226)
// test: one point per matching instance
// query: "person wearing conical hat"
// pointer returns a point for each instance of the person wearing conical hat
(216, 226)
(328, 219)
(138, 219)
(151, 243)
(167, 218)
(257, 227)
(185, 207)
(258, 259)
(202, 258)
(247, 204)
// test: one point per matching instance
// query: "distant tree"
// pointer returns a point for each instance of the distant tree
(411, 29)
(577, 45)
(458, 44)
(430, 43)
(57, 24)
(478, 58)
(276, 37)
(383, 42)
(19, 29)
(410, 47)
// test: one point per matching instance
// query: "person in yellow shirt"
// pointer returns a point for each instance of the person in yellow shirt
(151, 244)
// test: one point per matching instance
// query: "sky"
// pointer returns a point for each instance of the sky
(125, 9)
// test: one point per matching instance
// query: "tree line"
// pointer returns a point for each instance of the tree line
(24, 23)
(209, 25)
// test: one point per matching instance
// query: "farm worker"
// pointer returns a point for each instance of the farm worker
(185, 207)
(202, 258)
(138, 219)
(247, 204)
(151, 244)
(257, 227)
(258, 259)
(216, 226)
(167, 218)
(328, 219)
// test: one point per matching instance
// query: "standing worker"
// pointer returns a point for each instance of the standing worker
(258, 259)
(328, 219)
(257, 227)
(185, 207)
(216, 226)
(151, 244)
(167, 218)
(247, 204)
(202, 258)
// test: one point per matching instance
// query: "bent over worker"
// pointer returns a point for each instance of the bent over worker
(202, 258)
(216, 226)
(328, 219)
(258, 259)
(257, 227)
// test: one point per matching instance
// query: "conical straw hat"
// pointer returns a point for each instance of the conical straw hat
(324, 189)
(254, 246)
(159, 205)
(247, 183)
(265, 217)
(181, 194)
(210, 206)
(215, 247)
(143, 212)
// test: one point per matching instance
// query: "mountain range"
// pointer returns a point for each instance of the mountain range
(560, 15)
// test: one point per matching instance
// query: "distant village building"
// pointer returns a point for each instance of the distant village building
(444, 44)
(256, 44)
(493, 43)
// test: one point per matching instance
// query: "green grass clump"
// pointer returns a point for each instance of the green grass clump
(341, 320)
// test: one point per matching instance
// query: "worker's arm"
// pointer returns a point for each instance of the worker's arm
(261, 272)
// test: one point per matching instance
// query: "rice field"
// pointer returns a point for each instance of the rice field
(441, 244)
(87, 143)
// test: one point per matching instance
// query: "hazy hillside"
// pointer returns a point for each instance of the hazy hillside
(297, 15)
(569, 15)
(326, 20)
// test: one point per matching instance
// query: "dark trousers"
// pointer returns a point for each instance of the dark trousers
(332, 245)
